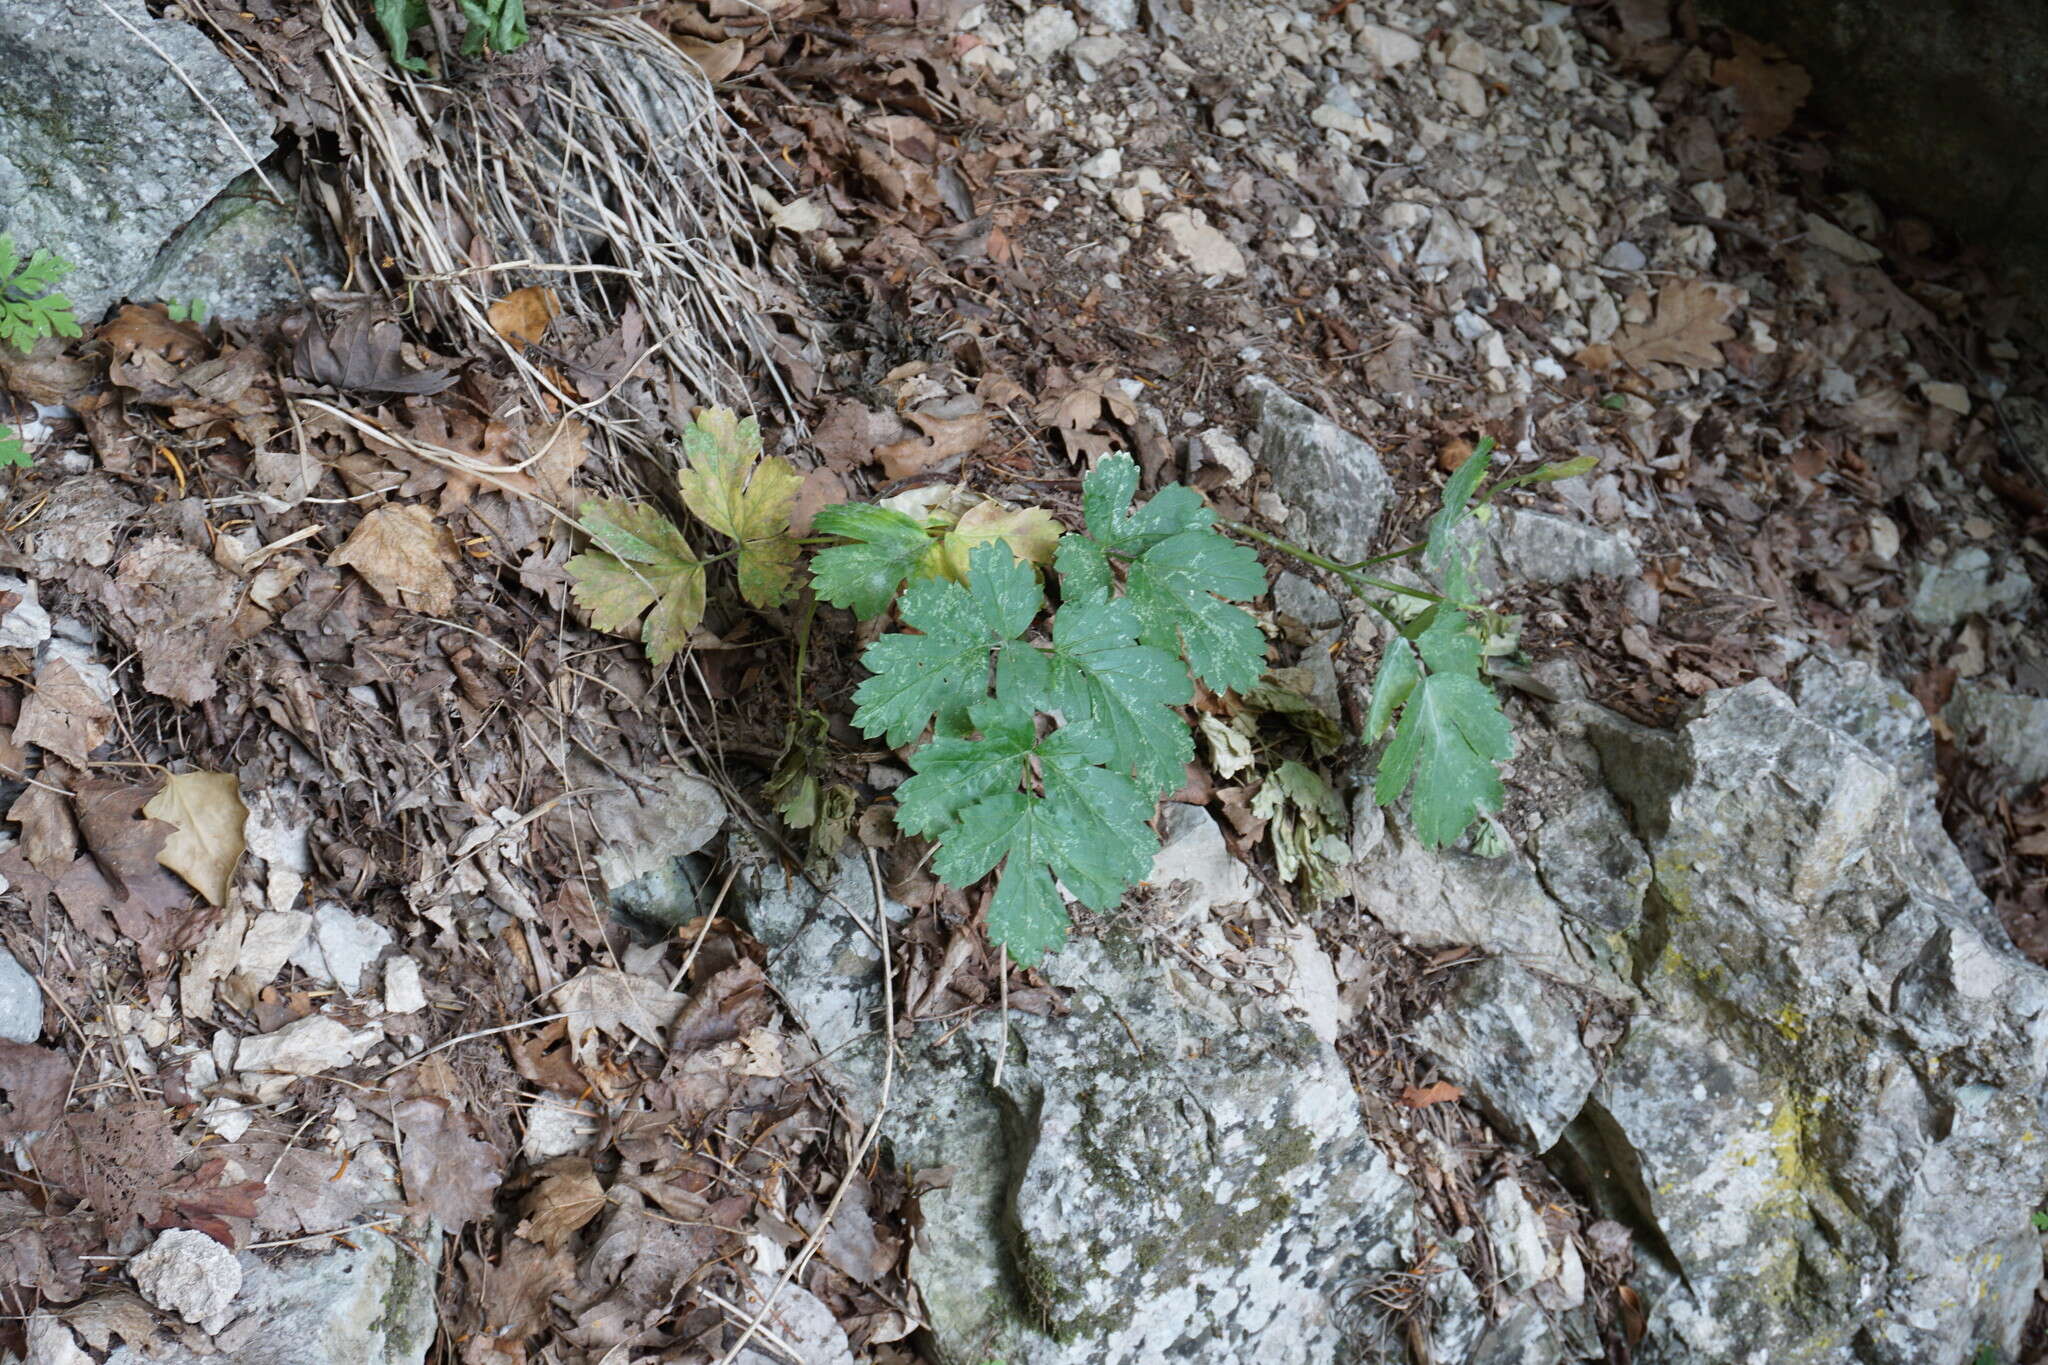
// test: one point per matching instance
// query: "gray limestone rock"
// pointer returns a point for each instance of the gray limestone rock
(1303, 601)
(1884, 718)
(371, 1303)
(2002, 729)
(1164, 1172)
(1118, 16)
(21, 1001)
(1511, 1040)
(243, 255)
(1332, 480)
(1824, 1119)
(1969, 584)
(1540, 550)
(105, 152)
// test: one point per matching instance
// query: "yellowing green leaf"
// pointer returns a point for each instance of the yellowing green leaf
(206, 813)
(1030, 532)
(640, 561)
(735, 492)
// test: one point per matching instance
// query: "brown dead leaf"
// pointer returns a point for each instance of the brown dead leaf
(448, 1170)
(850, 435)
(117, 1159)
(1769, 87)
(1421, 1097)
(1077, 412)
(522, 317)
(1691, 319)
(65, 713)
(719, 60)
(944, 438)
(43, 1253)
(567, 1196)
(404, 555)
(821, 488)
(206, 814)
(116, 886)
(362, 351)
(37, 1082)
(49, 838)
(177, 608)
(604, 1000)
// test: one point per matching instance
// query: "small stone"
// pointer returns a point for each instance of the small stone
(1463, 89)
(558, 1127)
(2003, 730)
(1624, 256)
(1118, 16)
(1129, 203)
(1333, 478)
(1218, 449)
(1954, 397)
(1048, 30)
(1517, 1235)
(1512, 1042)
(1822, 233)
(403, 993)
(1390, 47)
(340, 946)
(1305, 602)
(1107, 164)
(21, 1001)
(1450, 243)
(1192, 850)
(188, 1273)
(1464, 53)
(306, 1047)
(1201, 245)
(1965, 586)
(26, 625)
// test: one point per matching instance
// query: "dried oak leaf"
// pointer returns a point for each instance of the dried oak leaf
(116, 886)
(522, 316)
(49, 836)
(448, 1170)
(117, 1159)
(361, 352)
(42, 1253)
(402, 553)
(1769, 87)
(206, 816)
(566, 1197)
(1075, 413)
(177, 608)
(1422, 1096)
(945, 438)
(37, 1082)
(851, 433)
(65, 713)
(1690, 320)
(604, 1000)
(511, 1297)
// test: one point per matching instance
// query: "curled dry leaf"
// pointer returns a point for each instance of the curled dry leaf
(1422, 1096)
(522, 316)
(65, 714)
(1691, 320)
(605, 1000)
(448, 1170)
(567, 1196)
(176, 606)
(206, 814)
(944, 439)
(402, 553)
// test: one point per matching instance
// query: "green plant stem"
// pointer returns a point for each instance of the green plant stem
(1348, 572)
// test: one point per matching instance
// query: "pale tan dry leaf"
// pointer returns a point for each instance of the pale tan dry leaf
(719, 60)
(567, 1196)
(49, 838)
(448, 1170)
(602, 1000)
(1769, 88)
(522, 316)
(402, 553)
(65, 714)
(1691, 320)
(944, 438)
(206, 813)
(177, 608)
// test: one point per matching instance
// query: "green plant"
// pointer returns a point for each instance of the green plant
(641, 561)
(1048, 752)
(493, 25)
(185, 310)
(30, 309)
(2040, 1221)
(1045, 732)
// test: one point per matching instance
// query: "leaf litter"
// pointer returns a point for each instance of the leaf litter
(407, 738)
